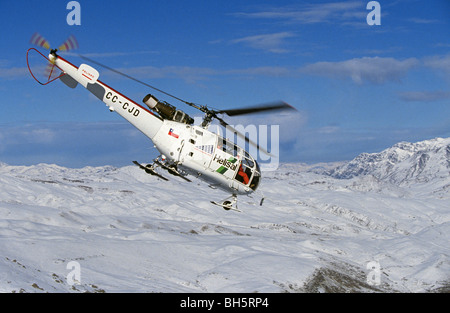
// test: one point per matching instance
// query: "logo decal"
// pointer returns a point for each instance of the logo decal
(226, 164)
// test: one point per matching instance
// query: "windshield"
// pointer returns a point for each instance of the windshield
(256, 177)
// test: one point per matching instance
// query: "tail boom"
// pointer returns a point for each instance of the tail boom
(87, 76)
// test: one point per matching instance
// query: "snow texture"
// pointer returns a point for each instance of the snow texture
(317, 231)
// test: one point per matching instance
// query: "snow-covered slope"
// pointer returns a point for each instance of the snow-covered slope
(130, 231)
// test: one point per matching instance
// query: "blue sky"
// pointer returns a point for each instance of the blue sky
(357, 88)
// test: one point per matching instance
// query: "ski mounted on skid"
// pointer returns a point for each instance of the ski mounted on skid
(150, 169)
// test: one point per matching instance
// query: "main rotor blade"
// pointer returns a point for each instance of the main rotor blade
(241, 135)
(274, 106)
(137, 80)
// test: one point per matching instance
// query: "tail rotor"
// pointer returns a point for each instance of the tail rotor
(69, 44)
(51, 71)
(40, 41)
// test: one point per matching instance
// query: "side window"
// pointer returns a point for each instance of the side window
(228, 147)
(178, 116)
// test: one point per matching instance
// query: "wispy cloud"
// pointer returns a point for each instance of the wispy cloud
(112, 54)
(270, 71)
(13, 72)
(424, 96)
(267, 42)
(186, 73)
(342, 12)
(374, 70)
(439, 63)
(423, 21)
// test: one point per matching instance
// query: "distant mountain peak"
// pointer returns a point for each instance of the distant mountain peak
(403, 162)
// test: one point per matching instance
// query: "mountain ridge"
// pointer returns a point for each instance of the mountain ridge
(403, 163)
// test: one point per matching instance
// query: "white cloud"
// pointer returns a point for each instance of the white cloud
(110, 54)
(424, 96)
(440, 63)
(422, 20)
(375, 70)
(187, 73)
(267, 42)
(13, 73)
(367, 69)
(272, 71)
(328, 130)
(344, 11)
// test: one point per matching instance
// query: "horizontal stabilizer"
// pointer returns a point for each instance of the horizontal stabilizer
(69, 81)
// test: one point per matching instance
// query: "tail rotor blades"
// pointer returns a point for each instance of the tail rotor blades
(71, 43)
(40, 41)
(51, 72)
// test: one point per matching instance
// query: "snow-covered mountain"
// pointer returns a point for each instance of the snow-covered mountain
(403, 162)
(425, 163)
(129, 231)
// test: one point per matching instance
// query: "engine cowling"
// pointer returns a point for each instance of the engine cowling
(166, 110)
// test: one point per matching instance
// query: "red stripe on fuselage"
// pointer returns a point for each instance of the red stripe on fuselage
(87, 77)
(102, 83)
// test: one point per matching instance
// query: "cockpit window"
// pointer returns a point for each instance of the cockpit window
(248, 162)
(244, 173)
(248, 172)
(256, 177)
(228, 147)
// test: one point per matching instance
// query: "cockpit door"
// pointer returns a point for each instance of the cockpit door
(248, 172)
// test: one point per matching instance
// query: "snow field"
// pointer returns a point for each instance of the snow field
(131, 232)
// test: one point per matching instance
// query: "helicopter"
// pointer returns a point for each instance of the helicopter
(185, 149)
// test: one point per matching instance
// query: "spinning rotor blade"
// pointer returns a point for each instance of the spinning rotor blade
(132, 78)
(40, 41)
(52, 72)
(241, 135)
(70, 43)
(274, 106)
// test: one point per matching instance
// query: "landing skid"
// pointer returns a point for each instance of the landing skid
(171, 169)
(229, 203)
(149, 169)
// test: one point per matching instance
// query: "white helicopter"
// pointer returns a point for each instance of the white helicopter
(184, 148)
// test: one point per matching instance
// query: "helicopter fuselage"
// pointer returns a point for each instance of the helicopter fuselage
(193, 149)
